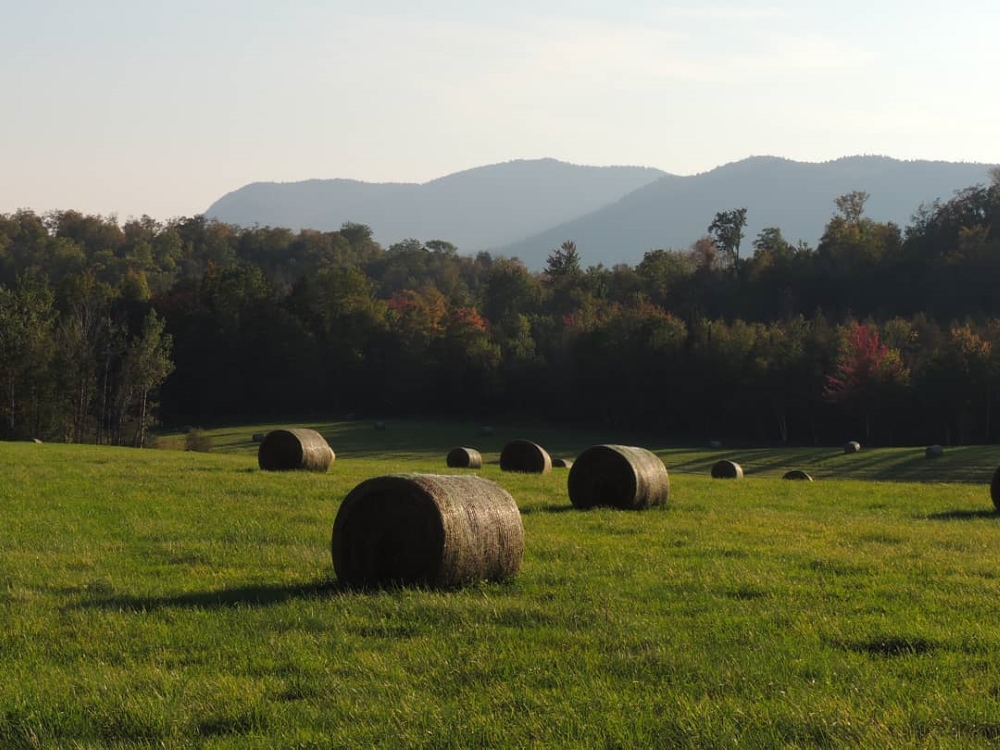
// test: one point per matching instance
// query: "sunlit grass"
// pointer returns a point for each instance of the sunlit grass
(165, 597)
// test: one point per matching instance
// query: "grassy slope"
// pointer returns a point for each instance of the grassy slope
(418, 441)
(159, 596)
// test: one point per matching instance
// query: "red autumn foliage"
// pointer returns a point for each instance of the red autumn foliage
(864, 362)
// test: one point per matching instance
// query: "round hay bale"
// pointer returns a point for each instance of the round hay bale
(618, 476)
(464, 458)
(426, 530)
(852, 446)
(525, 456)
(933, 451)
(727, 470)
(380, 426)
(562, 463)
(258, 437)
(797, 474)
(287, 450)
(995, 489)
(715, 444)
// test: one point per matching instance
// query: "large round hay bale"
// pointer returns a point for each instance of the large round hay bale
(562, 463)
(300, 448)
(426, 530)
(995, 489)
(727, 470)
(852, 446)
(464, 458)
(797, 474)
(618, 476)
(525, 456)
(934, 451)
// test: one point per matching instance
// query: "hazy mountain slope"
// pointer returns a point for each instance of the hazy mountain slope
(797, 197)
(474, 209)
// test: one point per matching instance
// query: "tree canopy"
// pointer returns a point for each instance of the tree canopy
(107, 329)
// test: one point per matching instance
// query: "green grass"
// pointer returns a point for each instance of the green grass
(165, 598)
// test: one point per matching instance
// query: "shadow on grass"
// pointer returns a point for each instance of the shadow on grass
(962, 515)
(245, 596)
(888, 646)
(550, 508)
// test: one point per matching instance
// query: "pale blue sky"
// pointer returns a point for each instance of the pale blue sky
(132, 106)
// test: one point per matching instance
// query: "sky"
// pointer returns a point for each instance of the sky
(133, 107)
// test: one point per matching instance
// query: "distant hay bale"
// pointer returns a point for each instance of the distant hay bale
(852, 446)
(288, 450)
(715, 444)
(486, 431)
(525, 456)
(995, 489)
(380, 426)
(933, 451)
(36, 441)
(562, 463)
(797, 474)
(196, 440)
(464, 458)
(727, 470)
(426, 530)
(258, 437)
(618, 476)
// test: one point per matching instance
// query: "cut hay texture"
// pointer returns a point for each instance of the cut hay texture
(727, 470)
(797, 474)
(934, 451)
(464, 458)
(288, 450)
(995, 489)
(618, 476)
(525, 456)
(562, 463)
(852, 446)
(426, 530)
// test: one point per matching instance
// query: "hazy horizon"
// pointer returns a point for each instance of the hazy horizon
(113, 108)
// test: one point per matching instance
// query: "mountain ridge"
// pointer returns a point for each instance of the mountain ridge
(526, 208)
(474, 208)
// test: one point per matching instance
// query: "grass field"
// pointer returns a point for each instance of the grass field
(169, 598)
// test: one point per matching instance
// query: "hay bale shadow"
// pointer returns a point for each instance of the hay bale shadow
(244, 596)
(963, 515)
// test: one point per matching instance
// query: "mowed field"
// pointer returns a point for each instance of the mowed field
(168, 598)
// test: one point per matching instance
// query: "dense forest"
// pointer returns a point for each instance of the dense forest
(880, 333)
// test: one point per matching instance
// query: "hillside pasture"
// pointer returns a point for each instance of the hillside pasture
(168, 597)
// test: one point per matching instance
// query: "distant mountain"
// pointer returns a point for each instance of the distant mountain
(474, 209)
(527, 208)
(797, 197)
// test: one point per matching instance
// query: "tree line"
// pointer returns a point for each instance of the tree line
(880, 332)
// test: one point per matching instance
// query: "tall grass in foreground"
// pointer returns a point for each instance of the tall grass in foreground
(163, 598)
